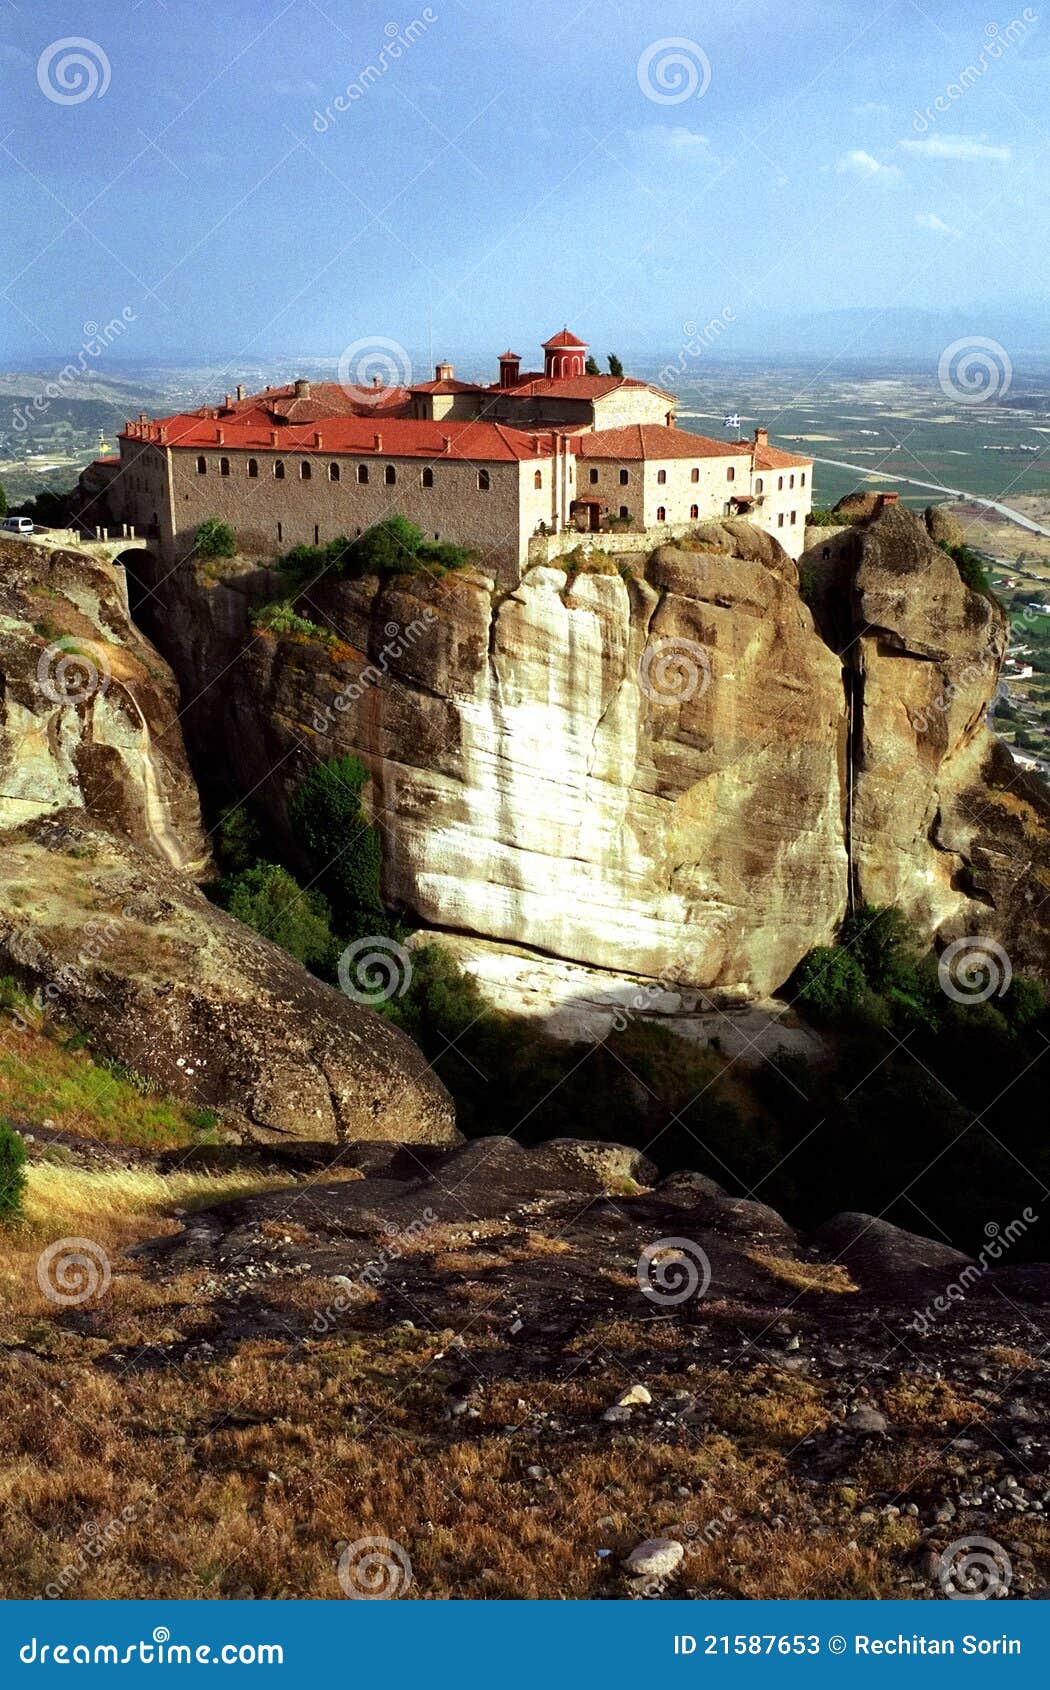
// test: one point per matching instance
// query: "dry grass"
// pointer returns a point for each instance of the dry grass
(804, 1276)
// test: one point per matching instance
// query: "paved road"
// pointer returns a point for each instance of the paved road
(1008, 511)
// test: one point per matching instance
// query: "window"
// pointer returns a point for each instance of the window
(780, 520)
(594, 478)
(253, 469)
(202, 466)
(826, 553)
(780, 483)
(624, 512)
(224, 466)
(802, 479)
(694, 512)
(694, 474)
(793, 516)
(426, 477)
(362, 476)
(390, 475)
(280, 532)
(484, 481)
(317, 535)
(730, 473)
(791, 481)
(625, 476)
(661, 513)
(537, 480)
(305, 470)
(661, 478)
(278, 471)
(333, 472)
(758, 485)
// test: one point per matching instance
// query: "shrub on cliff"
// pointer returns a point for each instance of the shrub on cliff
(267, 898)
(214, 539)
(12, 1173)
(971, 567)
(829, 984)
(341, 847)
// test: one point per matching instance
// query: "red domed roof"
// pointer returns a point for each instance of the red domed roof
(564, 339)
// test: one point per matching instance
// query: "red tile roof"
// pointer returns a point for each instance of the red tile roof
(654, 440)
(400, 437)
(771, 457)
(563, 338)
(448, 385)
(535, 386)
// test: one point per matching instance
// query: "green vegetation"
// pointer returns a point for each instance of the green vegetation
(821, 516)
(394, 546)
(341, 847)
(214, 539)
(615, 366)
(591, 367)
(971, 566)
(12, 1173)
(280, 618)
(267, 898)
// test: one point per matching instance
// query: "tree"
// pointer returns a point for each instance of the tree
(267, 898)
(12, 1173)
(829, 984)
(215, 539)
(591, 368)
(341, 847)
(615, 367)
(3, 502)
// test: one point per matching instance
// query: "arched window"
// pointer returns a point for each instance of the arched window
(759, 485)
(594, 478)
(661, 477)
(426, 478)
(802, 479)
(624, 512)
(537, 480)
(791, 481)
(333, 472)
(305, 470)
(780, 483)
(253, 469)
(625, 476)
(694, 474)
(484, 481)
(202, 466)
(362, 476)
(661, 513)
(390, 475)
(224, 466)
(730, 473)
(278, 470)
(694, 512)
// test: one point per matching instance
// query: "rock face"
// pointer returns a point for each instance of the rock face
(943, 823)
(93, 927)
(88, 708)
(656, 772)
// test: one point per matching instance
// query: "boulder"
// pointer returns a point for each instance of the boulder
(608, 1165)
(884, 1257)
(100, 933)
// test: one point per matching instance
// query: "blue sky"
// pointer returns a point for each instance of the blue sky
(510, 170)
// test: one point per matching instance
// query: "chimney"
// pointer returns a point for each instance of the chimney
(887, 499)
(162, 433)
(377, 442)
(227, 401)
(761, 437)
(377, 382)
(240, 391)
(219, 437)
(143, 417)
(444, 372)
(273, 437)
(302, 389)
(446, 442)
(318, 442)
(509, 369)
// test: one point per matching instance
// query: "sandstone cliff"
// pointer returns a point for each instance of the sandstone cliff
(88, 708)
(659, 769)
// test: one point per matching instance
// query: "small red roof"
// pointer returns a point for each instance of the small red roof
(448, 385)
(516, 355)
(655, 440)
(563, 338)
(771, 457)
(571, 387)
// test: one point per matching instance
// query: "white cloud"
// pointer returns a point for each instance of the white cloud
(860, 163)
(937, 225)
(672, 138)
(871, 108)
(959, 147)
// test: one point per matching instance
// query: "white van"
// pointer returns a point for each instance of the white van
(18, 525)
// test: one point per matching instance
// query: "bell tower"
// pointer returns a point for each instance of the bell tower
(564, 356)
